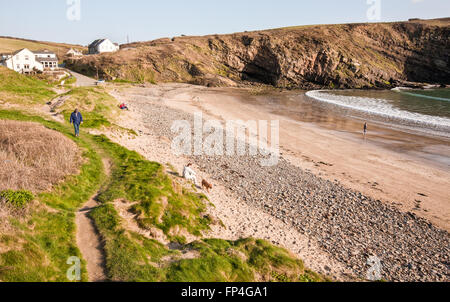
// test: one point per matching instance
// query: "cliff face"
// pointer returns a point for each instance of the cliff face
(332, 56)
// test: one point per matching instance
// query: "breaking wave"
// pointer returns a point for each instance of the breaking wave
(383, 108)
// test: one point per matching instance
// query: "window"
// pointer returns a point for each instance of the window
(26, 66)
(18, 66)
(27, 58)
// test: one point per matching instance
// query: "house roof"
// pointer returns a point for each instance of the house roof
(47, 59)
(73, 50)
(100, 41)
(18, 51)
(97, 43)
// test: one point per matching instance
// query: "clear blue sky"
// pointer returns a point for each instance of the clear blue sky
(148, 19)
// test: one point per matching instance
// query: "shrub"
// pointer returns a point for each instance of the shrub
(18, 199)
(33, 157)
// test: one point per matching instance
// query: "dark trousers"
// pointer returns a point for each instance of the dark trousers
(77, 128)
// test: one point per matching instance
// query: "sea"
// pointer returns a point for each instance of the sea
(425, 110)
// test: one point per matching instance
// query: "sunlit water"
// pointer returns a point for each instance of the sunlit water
(422, 110)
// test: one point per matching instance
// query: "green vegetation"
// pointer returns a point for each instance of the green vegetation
(97, 106)
(135, 74)
(132, 257)
(128, 257)
(244, 260)
(18, 199)
(158, 203)
(39, 243)
(45, 239)
(9, 45)
(122, 81)
(68, 81)
(20, 89)
(223, 71)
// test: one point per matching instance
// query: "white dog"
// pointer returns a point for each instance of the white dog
(189, 174)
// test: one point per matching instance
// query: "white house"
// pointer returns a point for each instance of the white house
(47, 58)
(103, 45)
(22, 61)
(74, 53)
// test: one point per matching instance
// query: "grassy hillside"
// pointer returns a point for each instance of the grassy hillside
(8, 45)
(38, 242)
(98, 107)
(34, 157)
(38, 229)
(332, 56)
(20, 89)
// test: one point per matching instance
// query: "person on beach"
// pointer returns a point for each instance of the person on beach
(189, 174)
(365, 129)
(76, 119)
(123, 107)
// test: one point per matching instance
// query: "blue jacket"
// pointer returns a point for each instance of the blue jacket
(76, 118)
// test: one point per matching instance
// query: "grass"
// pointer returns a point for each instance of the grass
(43, 240)
(134, 258)
(42, 244)
(18, 199)
(123, 81)
(33, 157)
(8, 45)
(159, 203)
(137, 74)
(127, 258)
(97, 106)
(68, 81)
(244, 260)
(20, 89)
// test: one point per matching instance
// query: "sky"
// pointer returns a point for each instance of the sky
(143, 20)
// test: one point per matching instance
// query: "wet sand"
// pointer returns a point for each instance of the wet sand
(409, 171)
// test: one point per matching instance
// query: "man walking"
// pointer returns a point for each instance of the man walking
(365, 129)
(76, 119)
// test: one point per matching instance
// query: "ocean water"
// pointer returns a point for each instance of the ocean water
(421, 110)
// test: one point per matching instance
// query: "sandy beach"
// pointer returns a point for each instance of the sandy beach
(389, 165)
(333, 200)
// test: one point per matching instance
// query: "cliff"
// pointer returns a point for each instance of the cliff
(379, 55)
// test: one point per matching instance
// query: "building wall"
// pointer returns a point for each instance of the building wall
(74, 53)
(24, 62)
(7, 63)
(107, 46)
